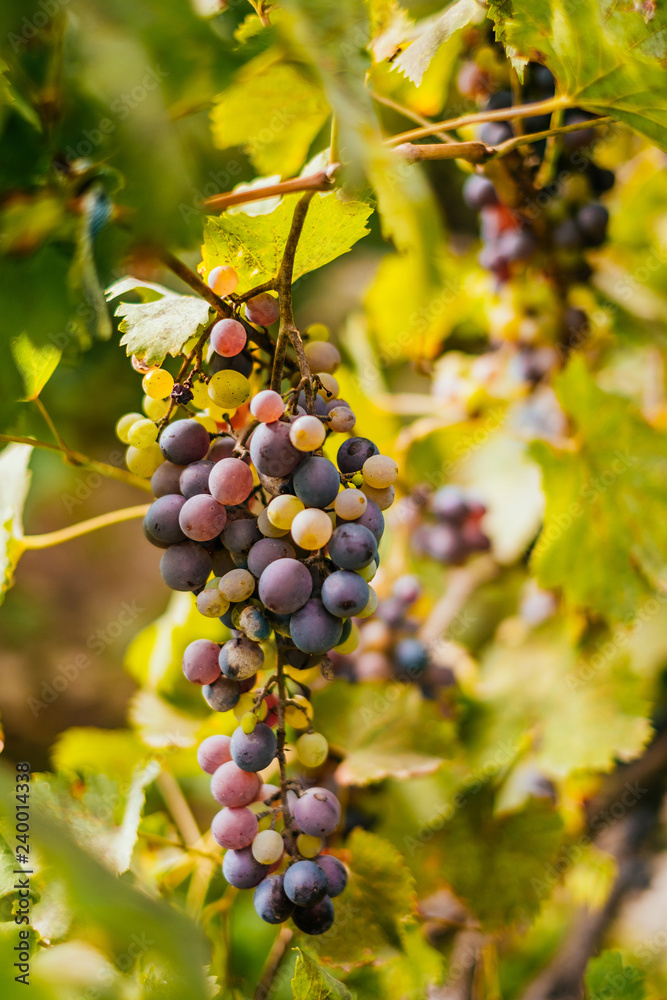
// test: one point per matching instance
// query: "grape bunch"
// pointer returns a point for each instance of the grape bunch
(280, 543)
(450, 530)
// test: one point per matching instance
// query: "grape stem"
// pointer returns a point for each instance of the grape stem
(280, 750)
(323, 180)
(50, 424)
(408, 113)
(50, 538)
(76, 458)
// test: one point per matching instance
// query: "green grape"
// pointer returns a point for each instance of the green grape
(309, 847)
(229, 389)
(312, 749)
(142, 433)
(268, 847)
(155, 409)
(248, 723)
(125, 424)
(158, 384)
(144, 461)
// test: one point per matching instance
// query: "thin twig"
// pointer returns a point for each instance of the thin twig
(321, 181)
(76, 458)
(83, 527)
(408, 113)
(50, 424)
(275, 957)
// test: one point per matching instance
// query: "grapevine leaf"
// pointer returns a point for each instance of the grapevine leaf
(311, 982)
(431, 34)
(36, 364)
(615, 72)
(14, 484)
(606, 975)
(160, 725)
(151, 330)
(600, 541)
(254, 246)
(382, 731)
(273, 111)
(372, 913)
(496, 863)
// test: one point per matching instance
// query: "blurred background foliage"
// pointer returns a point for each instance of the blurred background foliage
(517, 818)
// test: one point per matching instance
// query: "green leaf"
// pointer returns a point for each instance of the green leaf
(272, 111)
(614, 72)
(36, 364)
(254, 246)
(604, 539)
(382, 731)
(606, 975)
(14, 484)
(311, 982)
(152, 330)
(431, 34)
(373, 912)
(495, 862)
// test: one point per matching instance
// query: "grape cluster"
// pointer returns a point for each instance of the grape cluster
(280, 543)
(450, 530)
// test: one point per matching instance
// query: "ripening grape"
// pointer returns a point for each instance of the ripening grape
(263, 309)
(330, 387)
(184, 441)
(166, 479)
(312, 749)
(301, 716)
(268, 847)
(285, 585)
(254, 625)
(267, 406)
(269, 530)
(345, 593)
(207, 422)
(242, 870)
(314, 629)
(317, 331)
(349, 644)
(200, 661)
(240, 534)
(222, 280)
(352, 546)
(309, 847)
(314, 919)
(341, 419)
(228, 337)
(373, 519)
(248, 722)
(368, 572)
(350, 504)
(266, 551)
(270, 901)
(234, 828)
(162, 519)
(283, 509)
(202, 518)
(240, 658)
(379, 471)
(211, 604)
(222, 695)
(305, 883)
(384, 498)
(253, 751)
(371, 607)
(307, 433)
(237, 585)
(155, 409)
(212, 752)
(316, 481)
(322, 356)
(271, 451)
(142, 433)
(230, 481)
(194, 478)
(232, 786)
(229, 389)
(200, 396)
(143, 461)
(353, 453)
(158, 383)
(335, 872)
(317, 811)
(185, 566)
(311, 529)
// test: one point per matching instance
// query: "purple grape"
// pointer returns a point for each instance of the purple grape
(271, 450)
(317, 812)
(200, 661)
(240, 533)
(567, 235)
(271, 903)
(479, 191)
(166, 479)
(299, 660)
(314, 919)
(353, 453)
(592, 221)
(443, 543)
(266, 551)
(345, 594)
(194, 478)
(335, 871)
(516, 244)
(253, 751)
(234, 829)
(212, 752)
(242, 363)
(240, 658)
(407, 589)
(601, 179)
(316, 482)
(185, 566)
(285, 586)
(184, 441)
(320, 405)
(313, 629)
(202, 518)
(221, 562)
(254, 624)
(373, 519)
(450, 504)
(352, 546)
(222, 694)
(501, 99)
(305, 883)
(162, 518)
(242, 870)
(411, 656)
(152, 539)
(493, 133)
(231, 786)
(582, 137)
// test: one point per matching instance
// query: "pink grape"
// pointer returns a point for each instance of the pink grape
(212, 752)
(263, 309)
(230, 786)
(267, 406)
(200, 662)
(228, 338)
(202, 518)
(223, 280)
(234, 828)
(230, 481)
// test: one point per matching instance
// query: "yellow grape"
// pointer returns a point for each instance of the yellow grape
(312, 528)
(158, 384)
(371, 607)
(309, 847)
(248, 723)
(142, 433)
(229, 389)
(322, 357)
(306, 677)
(368, 572)
(222, 280)
(155, 409)
(268, 847)
(379, 471)
(299, 717)
(237, 585)
(350, 504)
(269, 530)
(307, 433)
(317, 331)
(383, 498)
(312, 749)
(244, 705)
(200, 396)
(207, 422)
(351, 642)
(330, 388)
(144, 461)
(125, 424)
(211, 604)
(282, 510)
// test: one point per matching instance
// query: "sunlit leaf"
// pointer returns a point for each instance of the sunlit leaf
(433, 33)
(311, 982)
(152, 330)
(14, 484)
(35, 363)
(607, 974)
